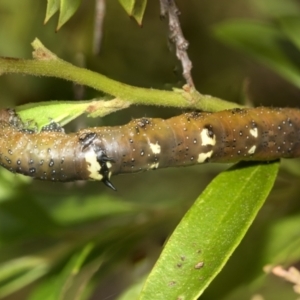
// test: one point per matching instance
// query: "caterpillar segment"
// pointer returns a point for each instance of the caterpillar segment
(260, 134)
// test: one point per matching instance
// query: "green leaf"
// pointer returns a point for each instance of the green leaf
(128, 5)
(135, 8)
(56, 111)
(291, 27)
(62, 112)
(59, 286)
(139, 10)
(281, 246)
(277, 8)
(261, 41)
(283, 241)
(82, 280)
(67, 10)
(17, 273)
(71, 211)
(133, 291)
(52, 8)
(210, 232)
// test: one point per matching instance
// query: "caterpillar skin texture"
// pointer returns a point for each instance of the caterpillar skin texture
(97, 153)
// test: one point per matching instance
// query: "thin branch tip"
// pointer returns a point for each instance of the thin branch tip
(41, 52)
(169, 9)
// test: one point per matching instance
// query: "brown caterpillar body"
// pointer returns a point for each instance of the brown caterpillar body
(96, 153)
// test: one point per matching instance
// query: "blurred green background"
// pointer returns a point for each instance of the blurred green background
(42, 224)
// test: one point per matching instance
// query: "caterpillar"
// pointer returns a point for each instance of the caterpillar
(258, 134)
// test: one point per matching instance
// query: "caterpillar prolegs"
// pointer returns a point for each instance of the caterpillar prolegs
(199, 137)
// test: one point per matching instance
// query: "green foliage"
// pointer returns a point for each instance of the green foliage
(67, 8)
(135, 8)
(19, 272)
(71, 281)
(268, 42)
(209, 232)
(63, 112)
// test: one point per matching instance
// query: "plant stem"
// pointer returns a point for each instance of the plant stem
(47, 64)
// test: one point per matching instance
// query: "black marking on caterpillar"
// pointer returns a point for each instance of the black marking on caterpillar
(53, 126)
(87, 139)
(260, 134)
(143, 122)
(104, 161)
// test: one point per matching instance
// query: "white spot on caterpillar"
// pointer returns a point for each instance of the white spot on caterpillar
(154, 165)
(92, 165)
(252, 149)
(155, 148)
(203, 156)
(206, 139)
(254, 132)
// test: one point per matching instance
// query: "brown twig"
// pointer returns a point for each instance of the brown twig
(169, 9)
(98, 25)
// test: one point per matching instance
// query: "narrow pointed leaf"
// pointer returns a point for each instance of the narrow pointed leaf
(67, 10)
(261, 41)
(135, 8)
(18, 273)
(277, 8)
(210, 232)
(139, 10)
(52, 8)
(128, 5)
(291, 27)
(59, 286)
(283, 241)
